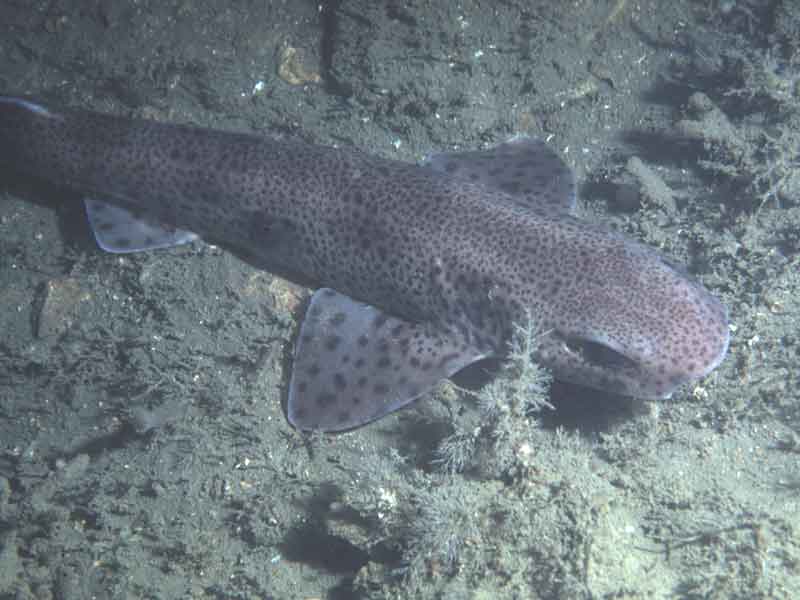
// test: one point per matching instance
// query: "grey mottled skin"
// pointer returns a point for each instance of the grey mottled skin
(445, 264)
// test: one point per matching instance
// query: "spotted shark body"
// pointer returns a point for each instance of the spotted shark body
(425, 268)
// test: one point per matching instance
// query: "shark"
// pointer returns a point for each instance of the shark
(420, 269)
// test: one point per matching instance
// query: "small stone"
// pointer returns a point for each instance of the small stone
(292, 69)
(60, 306)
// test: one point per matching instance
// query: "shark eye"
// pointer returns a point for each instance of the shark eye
(598, 354)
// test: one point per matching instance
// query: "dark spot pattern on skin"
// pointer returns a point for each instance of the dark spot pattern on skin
(325, 399)
(419, 243)
(339, 381)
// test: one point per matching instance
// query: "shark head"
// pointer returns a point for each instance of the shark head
(634, 325)
(614, 315)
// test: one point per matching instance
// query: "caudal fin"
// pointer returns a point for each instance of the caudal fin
(14, 103)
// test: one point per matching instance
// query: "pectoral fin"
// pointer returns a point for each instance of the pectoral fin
(354, 364)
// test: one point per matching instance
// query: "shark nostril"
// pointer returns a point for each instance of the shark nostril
(598, 354)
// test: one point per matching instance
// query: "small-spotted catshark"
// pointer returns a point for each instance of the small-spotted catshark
(426, 268)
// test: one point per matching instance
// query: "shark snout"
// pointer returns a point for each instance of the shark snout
(696, 341)
(690, 337)
(678, 335)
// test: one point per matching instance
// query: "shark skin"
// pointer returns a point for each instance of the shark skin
(423, 269)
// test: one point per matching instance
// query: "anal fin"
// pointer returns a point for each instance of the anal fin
(120, 231)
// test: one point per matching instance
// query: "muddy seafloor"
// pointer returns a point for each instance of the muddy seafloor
(145, 453)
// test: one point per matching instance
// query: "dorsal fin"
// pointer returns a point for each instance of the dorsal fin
(525, 168)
